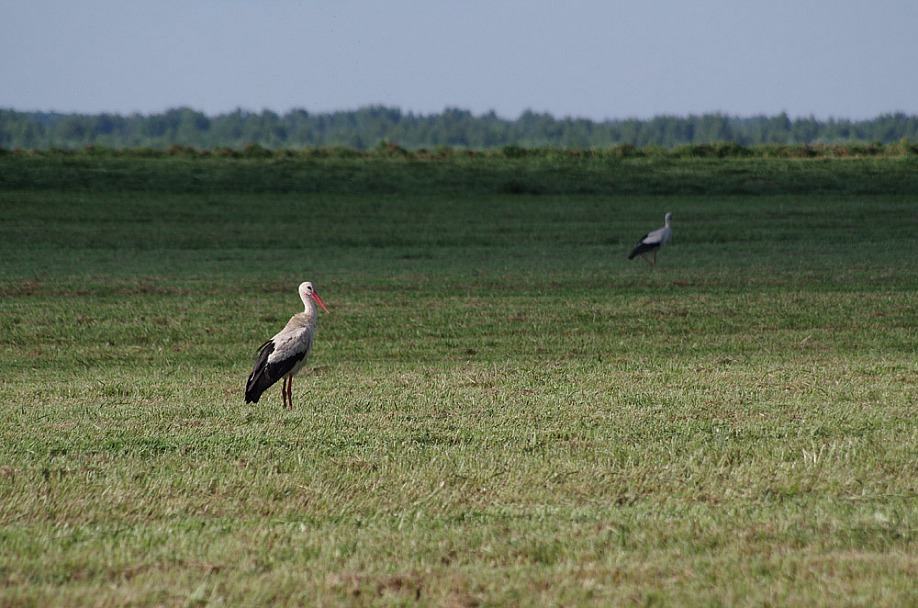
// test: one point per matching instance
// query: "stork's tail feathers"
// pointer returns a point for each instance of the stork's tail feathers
(255, 387)
(259, 380)
(253, 392)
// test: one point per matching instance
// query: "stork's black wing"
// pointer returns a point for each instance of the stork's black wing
(265, 374)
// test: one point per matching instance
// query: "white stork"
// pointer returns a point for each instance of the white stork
(652, 241)
(285, 354)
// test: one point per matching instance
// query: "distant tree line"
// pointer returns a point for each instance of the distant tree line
(367, 127)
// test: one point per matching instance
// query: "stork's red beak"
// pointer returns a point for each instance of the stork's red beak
(316, 297)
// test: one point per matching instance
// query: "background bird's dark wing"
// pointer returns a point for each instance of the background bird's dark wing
(641, 247)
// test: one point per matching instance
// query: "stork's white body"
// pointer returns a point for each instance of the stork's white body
(285, 354)
(653, 241)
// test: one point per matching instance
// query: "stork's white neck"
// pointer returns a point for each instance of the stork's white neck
(310, 306)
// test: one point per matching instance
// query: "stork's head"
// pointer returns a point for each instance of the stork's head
(307, 291)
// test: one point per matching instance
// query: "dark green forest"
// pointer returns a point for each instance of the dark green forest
(368, 127)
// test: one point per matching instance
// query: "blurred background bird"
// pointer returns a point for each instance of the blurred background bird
(653, 241)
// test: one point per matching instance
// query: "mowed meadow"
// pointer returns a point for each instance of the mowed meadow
(500, 409)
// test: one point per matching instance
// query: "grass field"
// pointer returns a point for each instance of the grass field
(500, 408)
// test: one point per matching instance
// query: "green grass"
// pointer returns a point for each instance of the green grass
(500, 409)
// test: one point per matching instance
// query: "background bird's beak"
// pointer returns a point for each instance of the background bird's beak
(316, 297)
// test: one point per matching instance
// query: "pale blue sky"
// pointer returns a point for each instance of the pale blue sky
(589, 58)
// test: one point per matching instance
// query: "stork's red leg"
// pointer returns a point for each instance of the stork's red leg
(288, 392)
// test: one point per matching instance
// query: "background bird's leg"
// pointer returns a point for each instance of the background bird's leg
(290, 393)
(284, 390)
(644, 257)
